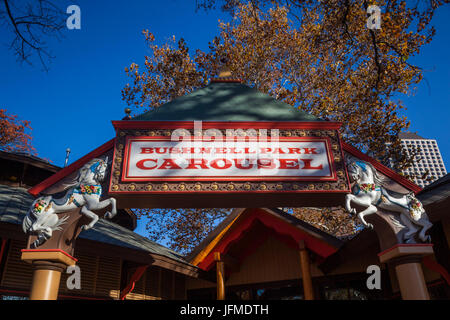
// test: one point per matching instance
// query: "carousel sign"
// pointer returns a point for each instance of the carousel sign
(196, 163)
(227, 159)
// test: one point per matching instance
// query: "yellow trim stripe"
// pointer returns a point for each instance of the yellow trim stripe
(202, 254)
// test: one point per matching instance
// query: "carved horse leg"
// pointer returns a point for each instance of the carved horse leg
(43, 235)
(92, 204)
(113, 212)
(371, 209)
(365, 202)
(348, 199)
(88, 213)
(425, 225)
(410, 227)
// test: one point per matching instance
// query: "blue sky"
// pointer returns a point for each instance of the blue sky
(73, 104)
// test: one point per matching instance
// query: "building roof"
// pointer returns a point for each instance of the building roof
(445, 180)
(436, 192)
(224, 101)
(401, 180)
(29, 159)
(15, 202)
(409, 135)
(243, 222)
(111, 233)
(436, 198)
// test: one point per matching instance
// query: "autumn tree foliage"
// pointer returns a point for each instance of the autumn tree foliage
(181, 229)
(334, 220)
(14, 134)
(318, 56)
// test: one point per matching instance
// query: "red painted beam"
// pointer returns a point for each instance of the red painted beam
(433, 265)
(134, 278)
(139, 124)
(383, 169)
(71, 168)
(279, 226)
(2, 249)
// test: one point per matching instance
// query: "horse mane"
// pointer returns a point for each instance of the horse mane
(72, 181)
(85, 169)
(376, 177)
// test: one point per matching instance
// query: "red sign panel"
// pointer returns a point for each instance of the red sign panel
(160, 158)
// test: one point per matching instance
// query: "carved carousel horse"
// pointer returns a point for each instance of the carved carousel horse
(82, 191)
(369, 193)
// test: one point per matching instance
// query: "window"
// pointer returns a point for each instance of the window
(344, 294)
(13, 298)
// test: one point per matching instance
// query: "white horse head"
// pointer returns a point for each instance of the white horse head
(83, 191)
(369, 192)
(93, 172)
(363, 172)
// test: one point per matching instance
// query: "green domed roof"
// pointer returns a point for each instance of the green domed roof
(225, 101)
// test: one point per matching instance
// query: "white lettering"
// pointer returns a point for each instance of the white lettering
(374, 281)
(74, 20)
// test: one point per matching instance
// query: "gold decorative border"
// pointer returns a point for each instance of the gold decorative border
(118, 186)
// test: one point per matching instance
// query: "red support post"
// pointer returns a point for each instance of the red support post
(134, 278)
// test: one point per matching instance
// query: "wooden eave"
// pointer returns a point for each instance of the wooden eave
(381, 168)
(13, 231)
(71, 168)
(282, 224)
(30, 161)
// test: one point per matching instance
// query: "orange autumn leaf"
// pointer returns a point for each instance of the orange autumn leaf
(318, 56)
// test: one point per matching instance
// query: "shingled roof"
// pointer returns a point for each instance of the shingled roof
(436, 192)
(224, 101)
(15, 202)
(409, 135)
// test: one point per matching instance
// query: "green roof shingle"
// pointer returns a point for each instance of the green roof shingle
(221, 101)
(15, 202)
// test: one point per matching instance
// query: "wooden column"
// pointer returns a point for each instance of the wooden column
(45, 285)
(47, 265)
(410, 278)
(406, 258)
(306, 271)
(220, 272)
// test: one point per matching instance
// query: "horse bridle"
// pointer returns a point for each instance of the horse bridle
(97, 167)
(356, 171)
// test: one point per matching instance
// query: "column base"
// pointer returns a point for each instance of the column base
(48, 264)
(406, 258)
(400, 250)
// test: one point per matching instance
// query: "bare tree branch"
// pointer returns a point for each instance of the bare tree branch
(30, 26)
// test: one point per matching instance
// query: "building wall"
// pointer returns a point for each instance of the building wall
(272, 261)
(357, 264)
(275, 261)
(16, 274)
(159, 284)
(428, 159)
(446, 227)
(100, 278)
